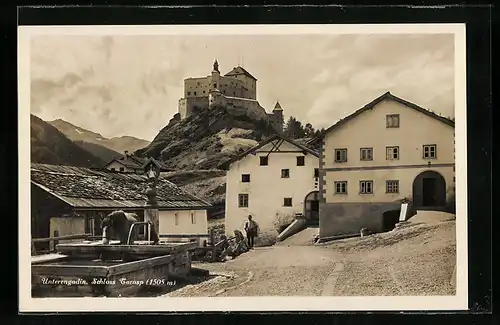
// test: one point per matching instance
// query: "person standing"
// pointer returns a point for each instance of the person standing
(251, 230)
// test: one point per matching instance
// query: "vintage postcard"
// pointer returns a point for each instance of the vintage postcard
(242, 168)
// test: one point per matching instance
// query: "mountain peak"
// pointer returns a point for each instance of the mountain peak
(79, 134)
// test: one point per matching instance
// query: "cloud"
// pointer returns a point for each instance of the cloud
(322, 77)
(118, 84)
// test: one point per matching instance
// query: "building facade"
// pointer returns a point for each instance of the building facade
(125, 164)
(388, 151)
(275, 180)
(131, 164)
(236, 90)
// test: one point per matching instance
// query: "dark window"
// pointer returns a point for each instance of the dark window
(234, 93)
(366, 187)
(392, 186)
(245, 178)
(122, 169)
(392, 121)
(215, 85)
(285, 173)
(243, 200)
(264, 161)
(430, 151)
(340, 187)
(194, 93)
(366, 154)
(189, 93)
(316, 172)
(340, 155)
(112, 169)
(203, 91)
(300, 161)
(287, 202)
(392, 153)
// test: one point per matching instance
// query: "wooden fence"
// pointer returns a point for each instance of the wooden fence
(53, 241)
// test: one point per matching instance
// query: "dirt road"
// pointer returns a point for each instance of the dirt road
(416, 260)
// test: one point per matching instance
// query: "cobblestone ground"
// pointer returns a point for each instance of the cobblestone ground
(416, 260)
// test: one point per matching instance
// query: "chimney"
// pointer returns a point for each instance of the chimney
(125, 156)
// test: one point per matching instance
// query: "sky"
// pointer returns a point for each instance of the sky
(130, 84)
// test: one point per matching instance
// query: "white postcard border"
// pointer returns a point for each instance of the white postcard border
(171, 304)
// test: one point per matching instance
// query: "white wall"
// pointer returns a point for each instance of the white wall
(266, 188)
(369, 130)
(405, 177)
(67, 226)
(184, 225)
(116, 165)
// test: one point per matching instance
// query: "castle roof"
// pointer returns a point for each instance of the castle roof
(238, 71)
(277, 107)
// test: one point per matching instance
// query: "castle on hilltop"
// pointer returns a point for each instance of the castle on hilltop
(236, 90)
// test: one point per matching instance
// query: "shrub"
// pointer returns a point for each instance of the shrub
(282, 221)
(266, 239)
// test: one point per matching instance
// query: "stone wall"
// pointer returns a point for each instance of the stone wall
(338, 219)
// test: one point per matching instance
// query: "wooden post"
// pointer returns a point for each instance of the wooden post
(56, 234)
(212, 242)
(33, 249)
(151, 213)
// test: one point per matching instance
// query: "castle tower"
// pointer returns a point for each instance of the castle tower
(215, 76)
(278, 119)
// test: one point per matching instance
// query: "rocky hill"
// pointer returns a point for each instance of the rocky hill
(206, 139)
(117, 144)
(209, 185)
(50, 146)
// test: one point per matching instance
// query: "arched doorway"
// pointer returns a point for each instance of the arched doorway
(429, 190)
(311, 208)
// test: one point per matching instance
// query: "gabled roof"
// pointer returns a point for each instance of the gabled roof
(277, 107)
(137, 163)
(85, 188)
(240, 70)
(154, 161)
(126, 163)
(136, 159)
(372, 104)
(263, 143)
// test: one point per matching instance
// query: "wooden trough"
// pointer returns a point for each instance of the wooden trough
(96, 269)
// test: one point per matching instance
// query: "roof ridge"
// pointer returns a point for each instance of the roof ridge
(373, 103)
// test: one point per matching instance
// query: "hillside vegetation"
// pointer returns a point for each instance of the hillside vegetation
(206, 139)
(209, 185)
(99, 151)
(50, 146)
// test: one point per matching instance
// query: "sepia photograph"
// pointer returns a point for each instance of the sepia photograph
(198, 166)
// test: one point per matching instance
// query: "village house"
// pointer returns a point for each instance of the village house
(275, 180)
(387, 151)
(73, 200)
(130, 164)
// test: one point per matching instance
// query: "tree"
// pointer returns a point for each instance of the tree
(294, 129)
(309, 130)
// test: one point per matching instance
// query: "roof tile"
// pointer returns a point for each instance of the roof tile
(83, 187)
